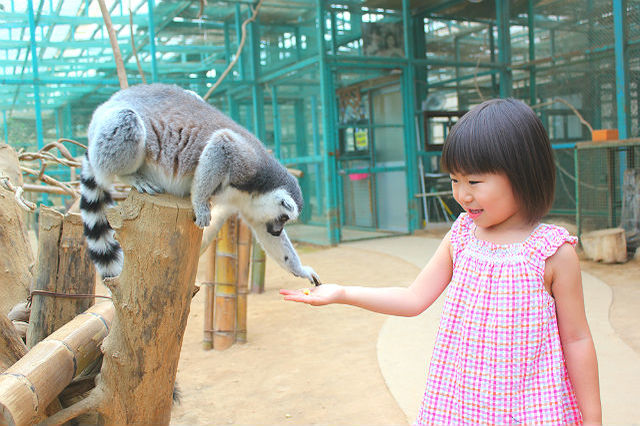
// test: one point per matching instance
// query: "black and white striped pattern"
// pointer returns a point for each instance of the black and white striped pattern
(104, 250)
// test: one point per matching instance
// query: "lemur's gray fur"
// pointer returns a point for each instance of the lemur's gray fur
(161, 138)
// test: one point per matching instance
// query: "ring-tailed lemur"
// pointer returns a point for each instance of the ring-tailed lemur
(161, 138)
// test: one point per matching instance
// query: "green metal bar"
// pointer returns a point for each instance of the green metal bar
(257, 92)
(277, 149)
(5, 126)
(622, 82)
(576, 167)
(316, 151)
(36, 82)
(621, 61)
(375, 169)
(287, 69)
(532, 51)
(409, 114)
(238, 23)
(329, 132)
(504, 47)
(306, 159)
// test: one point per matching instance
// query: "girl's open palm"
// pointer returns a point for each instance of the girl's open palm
(321, 295)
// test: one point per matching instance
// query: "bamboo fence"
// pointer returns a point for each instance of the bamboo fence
(35, 380)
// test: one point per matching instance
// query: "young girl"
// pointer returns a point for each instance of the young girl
(513, 345)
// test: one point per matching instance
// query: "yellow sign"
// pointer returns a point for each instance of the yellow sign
(361, 139)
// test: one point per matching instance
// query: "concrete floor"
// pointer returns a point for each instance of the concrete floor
(403, 358)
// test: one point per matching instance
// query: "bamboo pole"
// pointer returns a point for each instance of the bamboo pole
(65, 276)
(224, 318)
(244, 251)
(33, 382)
(16, 257)
(258, 260)
(208, 284)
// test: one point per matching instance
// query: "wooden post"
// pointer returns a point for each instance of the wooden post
(209, 287)
(244, 251)
(34, 381)
(64, 270)
(258, 259)
(224, 315)
(16, 256)
(152, 297)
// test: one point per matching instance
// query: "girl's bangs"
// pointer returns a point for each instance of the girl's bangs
(465, 153)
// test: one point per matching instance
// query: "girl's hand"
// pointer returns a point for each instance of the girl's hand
(317, 296)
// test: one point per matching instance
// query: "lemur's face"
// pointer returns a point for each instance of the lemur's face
(274, 210)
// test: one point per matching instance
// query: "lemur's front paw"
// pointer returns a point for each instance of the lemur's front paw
(310, 274)
(203, 215)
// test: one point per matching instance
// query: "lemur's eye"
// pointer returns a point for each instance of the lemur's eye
(286, 205)
(283, 218)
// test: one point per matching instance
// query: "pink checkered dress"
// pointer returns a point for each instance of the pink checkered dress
(497, 358)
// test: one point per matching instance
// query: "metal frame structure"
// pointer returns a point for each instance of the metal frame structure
(56, 66)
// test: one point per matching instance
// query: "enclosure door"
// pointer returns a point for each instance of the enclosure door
(389, 156)
(372, 165)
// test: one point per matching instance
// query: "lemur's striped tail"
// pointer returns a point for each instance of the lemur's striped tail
(104, 250)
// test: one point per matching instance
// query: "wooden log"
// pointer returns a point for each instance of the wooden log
(11, 346)
(64, 277)
(16, 257)
(258, 263)
(224, 315)
(34, 381)
(152, 297)
(209, 289)
(606, 245)
(244, 262)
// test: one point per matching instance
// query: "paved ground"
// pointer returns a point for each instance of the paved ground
(402, 356)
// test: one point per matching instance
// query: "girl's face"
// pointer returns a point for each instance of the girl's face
(488, 199)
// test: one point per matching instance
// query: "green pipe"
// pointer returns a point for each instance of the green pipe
(329, 117)
(277, 149)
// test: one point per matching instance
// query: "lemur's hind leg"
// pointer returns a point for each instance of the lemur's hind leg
(116, 142)
(141, 184)
(212, 173)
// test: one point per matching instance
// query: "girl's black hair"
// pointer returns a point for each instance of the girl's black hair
(505, 136)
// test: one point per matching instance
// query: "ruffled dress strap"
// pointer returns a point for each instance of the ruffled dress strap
(461, 234)
(544, 243)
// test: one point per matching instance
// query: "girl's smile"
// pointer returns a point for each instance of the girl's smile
(474, 213)
(489, 201)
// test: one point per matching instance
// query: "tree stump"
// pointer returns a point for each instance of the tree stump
(630, 218)
(152, 298)
(16, 256)
(65, 275)
(606, 245)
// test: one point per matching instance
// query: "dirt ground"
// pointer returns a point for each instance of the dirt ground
(301, 365)
(305, 365)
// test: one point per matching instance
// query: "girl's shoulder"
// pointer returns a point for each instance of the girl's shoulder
(546, 240)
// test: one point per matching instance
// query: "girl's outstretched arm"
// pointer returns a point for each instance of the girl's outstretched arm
(401, 301)
(577, 343)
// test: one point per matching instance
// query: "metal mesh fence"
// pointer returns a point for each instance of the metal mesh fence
(600, 178)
